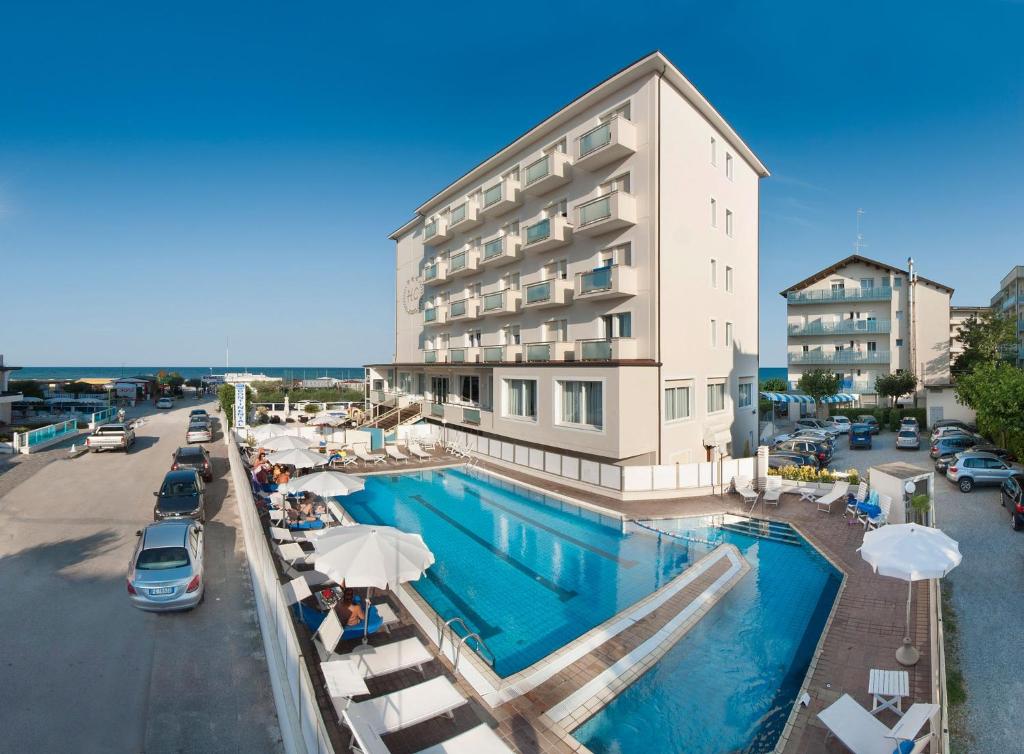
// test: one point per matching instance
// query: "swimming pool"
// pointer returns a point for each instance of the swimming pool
(528, 572)
(730, 683)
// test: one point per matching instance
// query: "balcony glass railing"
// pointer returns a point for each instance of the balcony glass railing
(494, 301)
(596, 280)
(457, 215)
(538, 231)
(430, 229)
(494, 353)
(471, 415)
(595, 139)
(839, 357)
(437, 409)
(537, 170)
(430, 357)
(492, 195)
(430, 272)
(457, 355)
(430, 315)
(494, 248)
(457, 262)
(538, 292)
(538, 352)
(882, 293)
(596, 210)
(596, 350)
(457, 308)
(844, 327)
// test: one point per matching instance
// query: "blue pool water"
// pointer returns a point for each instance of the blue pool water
(730, 683)
(527, 572)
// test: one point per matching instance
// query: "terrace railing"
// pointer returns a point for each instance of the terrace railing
(839, 295)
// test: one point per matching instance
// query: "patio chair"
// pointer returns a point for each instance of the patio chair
(293, 557)
(370, 720)
(838, 492)
(860, 496)
(427, 443)
(343, 460)
(296, 590)
(390, 658)
(417, 451)
(745, 487)
(327, 636)
(394, 453)
(389, 618)
(283, 535)
(875, 522)
(863, 733)
(478, 740)
(773, 489)
(362, 455)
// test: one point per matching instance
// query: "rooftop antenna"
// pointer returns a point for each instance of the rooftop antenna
(858, 243)
(227, 353)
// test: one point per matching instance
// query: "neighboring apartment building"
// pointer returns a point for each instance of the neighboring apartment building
(958, 315)
(1009, 302)
(7, 396)
(862, 318)
(593, 286)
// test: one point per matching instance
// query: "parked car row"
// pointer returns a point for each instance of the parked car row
(200, 426)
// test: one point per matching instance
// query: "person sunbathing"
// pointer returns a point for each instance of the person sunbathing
(351, 612)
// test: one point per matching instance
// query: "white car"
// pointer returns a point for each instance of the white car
(908, 438)
(165, 403)
(199, 432)
(842, 424)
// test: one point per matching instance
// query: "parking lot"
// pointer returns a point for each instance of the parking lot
(82, 670)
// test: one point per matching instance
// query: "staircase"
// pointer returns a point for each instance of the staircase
(394, 417)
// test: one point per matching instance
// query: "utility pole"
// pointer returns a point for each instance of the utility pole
(858, 243)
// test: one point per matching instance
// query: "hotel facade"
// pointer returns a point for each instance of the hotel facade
(1009, 302)
(593, 286)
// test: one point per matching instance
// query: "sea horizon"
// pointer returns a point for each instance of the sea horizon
(113, 372)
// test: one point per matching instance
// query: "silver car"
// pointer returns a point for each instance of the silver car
(908, 438)
(166, 569)
(199, 431)
(973, 468)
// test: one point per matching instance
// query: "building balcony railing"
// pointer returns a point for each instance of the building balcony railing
(612, 140)
(507, 353)
(435, 356)
(464, 355)
(547, 293)
(613, 211)
(838, 357)
(435, 273)
(839, 295)
(436, 232)
(466, 308)
(499, 303)
(546, 234)
(463, 263)
(606, 349)
(843, 327)
(434, 315)
(547, 173)
(500, 250)
(458, 413)
(464, 216)
(437, 409)
(550, 351)
(606, 282)
(501, 197)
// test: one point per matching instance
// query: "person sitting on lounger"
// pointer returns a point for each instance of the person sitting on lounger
(351, 613)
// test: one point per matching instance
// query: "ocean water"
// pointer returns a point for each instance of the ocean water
(767, 373)
(74, 373)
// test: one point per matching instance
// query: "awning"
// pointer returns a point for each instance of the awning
(801, 398)
(841, 398)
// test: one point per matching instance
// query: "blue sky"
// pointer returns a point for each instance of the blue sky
(175, 174)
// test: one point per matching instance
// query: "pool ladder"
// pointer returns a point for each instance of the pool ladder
(449, 629)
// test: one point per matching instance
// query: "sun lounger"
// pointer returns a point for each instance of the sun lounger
(362, 455)
(863, 733)
(478, 740)
(296, 590)
(395, 453)
(390, 658)
(293, 557)
(283, 535)
(745, 488)
(838, 492)
(417, 451)
(328, 635)
(773, 489)
(373, 718)
(388, 616)
(342, 461)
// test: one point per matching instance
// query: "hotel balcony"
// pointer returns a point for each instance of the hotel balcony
(606, 282)
(610, 141)
(435, 273)
(551, 351)
(606, 213)
(819, 356)
(606, 349)
(547, 293)
(501, 250)
(464, 309)
(546, 174)
(839, 295)
(454, 413)
(435, 356)
(436, 232)
(464, 355)
(549, 233)
(463, 263)
(499, 303)
(843, 327)
(434, 315)
(497, 354)
(501, 197)
(464, 216)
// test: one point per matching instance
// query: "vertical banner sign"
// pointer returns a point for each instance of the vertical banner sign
(240, 405)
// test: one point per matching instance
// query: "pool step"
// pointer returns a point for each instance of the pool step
(762, 529)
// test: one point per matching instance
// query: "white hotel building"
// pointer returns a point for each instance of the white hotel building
(592, 287)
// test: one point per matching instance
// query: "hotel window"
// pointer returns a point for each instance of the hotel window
(716, 397)
(621, 255)
(746, 395)
(473, 338)
(581, 404)
(677, 401)
(899, 342)
(728, 166)
(714, 273)
(897, 282)
(714, 214)
(617, 325)
(867, 282)
(714, 333)
(728, 279)
(714, 151)
(728, 334)
(404, 382)
(521, 399)
(872, 345)
(556, 330)
(469, 388)
(511, 333)
(728, 222)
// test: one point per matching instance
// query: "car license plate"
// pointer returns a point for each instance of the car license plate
(162, 590)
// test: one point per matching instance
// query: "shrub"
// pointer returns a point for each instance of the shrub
(312, 408)
(811, 474)
(894, 421)
(917, 413)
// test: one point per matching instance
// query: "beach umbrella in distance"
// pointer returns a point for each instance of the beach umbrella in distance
(287, 442)
(297, 457)
(913, 553)
(266, 431)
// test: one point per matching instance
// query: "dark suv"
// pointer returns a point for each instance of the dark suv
(193, 457)
(1012, 497)
(182, 495)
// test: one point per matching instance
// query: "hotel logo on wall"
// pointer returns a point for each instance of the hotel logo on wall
(240, 405)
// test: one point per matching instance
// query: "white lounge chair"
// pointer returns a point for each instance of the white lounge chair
(396, 454)
(342, 461)
(417, 451)
(860, 496)
(291, 554)
(328, 635)
(478, 740)
(838, 492)
(362, 455)
(388, 617)
(370, 720)
(745, 487)
(875, 522)
(284, 535)
(773, 489)
(863, 733)
(296, 590)
(390, 658)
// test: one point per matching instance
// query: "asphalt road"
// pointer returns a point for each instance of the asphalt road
(80, 669)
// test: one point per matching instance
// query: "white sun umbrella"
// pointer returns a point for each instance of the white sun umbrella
(326, 420)
(370, 556)
(288, 442)
(298, 457)
(327, 484)
(266, 431)
(913, 553)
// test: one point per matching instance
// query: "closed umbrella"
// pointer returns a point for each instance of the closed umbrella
(327, 484)
(266, 431)
(327, 420)
(370, 556)
(297, 457)
(287, 442)
(913, 553)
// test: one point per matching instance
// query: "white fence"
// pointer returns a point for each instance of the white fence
(302, 727)
(623, 479)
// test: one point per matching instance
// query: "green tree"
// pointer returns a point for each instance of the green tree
(77, 388)
(774, 385)
(194, 382)
(28, 388)
(986, 340)
(996, 393)
(818, 383)
(895, 385)
(171, 381)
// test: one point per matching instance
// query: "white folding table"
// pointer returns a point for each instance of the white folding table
(887, 689)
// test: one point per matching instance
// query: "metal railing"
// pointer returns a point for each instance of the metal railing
(839, 357)
(494, 353)
(537, 170)
(493, 302)
(882, 293)
(538, 351)
(843, 327)
(48, 433)
(494, 194)
(471, 415)
(494, 248)
(537, 293)
(595, 210)
(595, 138)
(103, 416)
(538, 231)
(596, 280)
